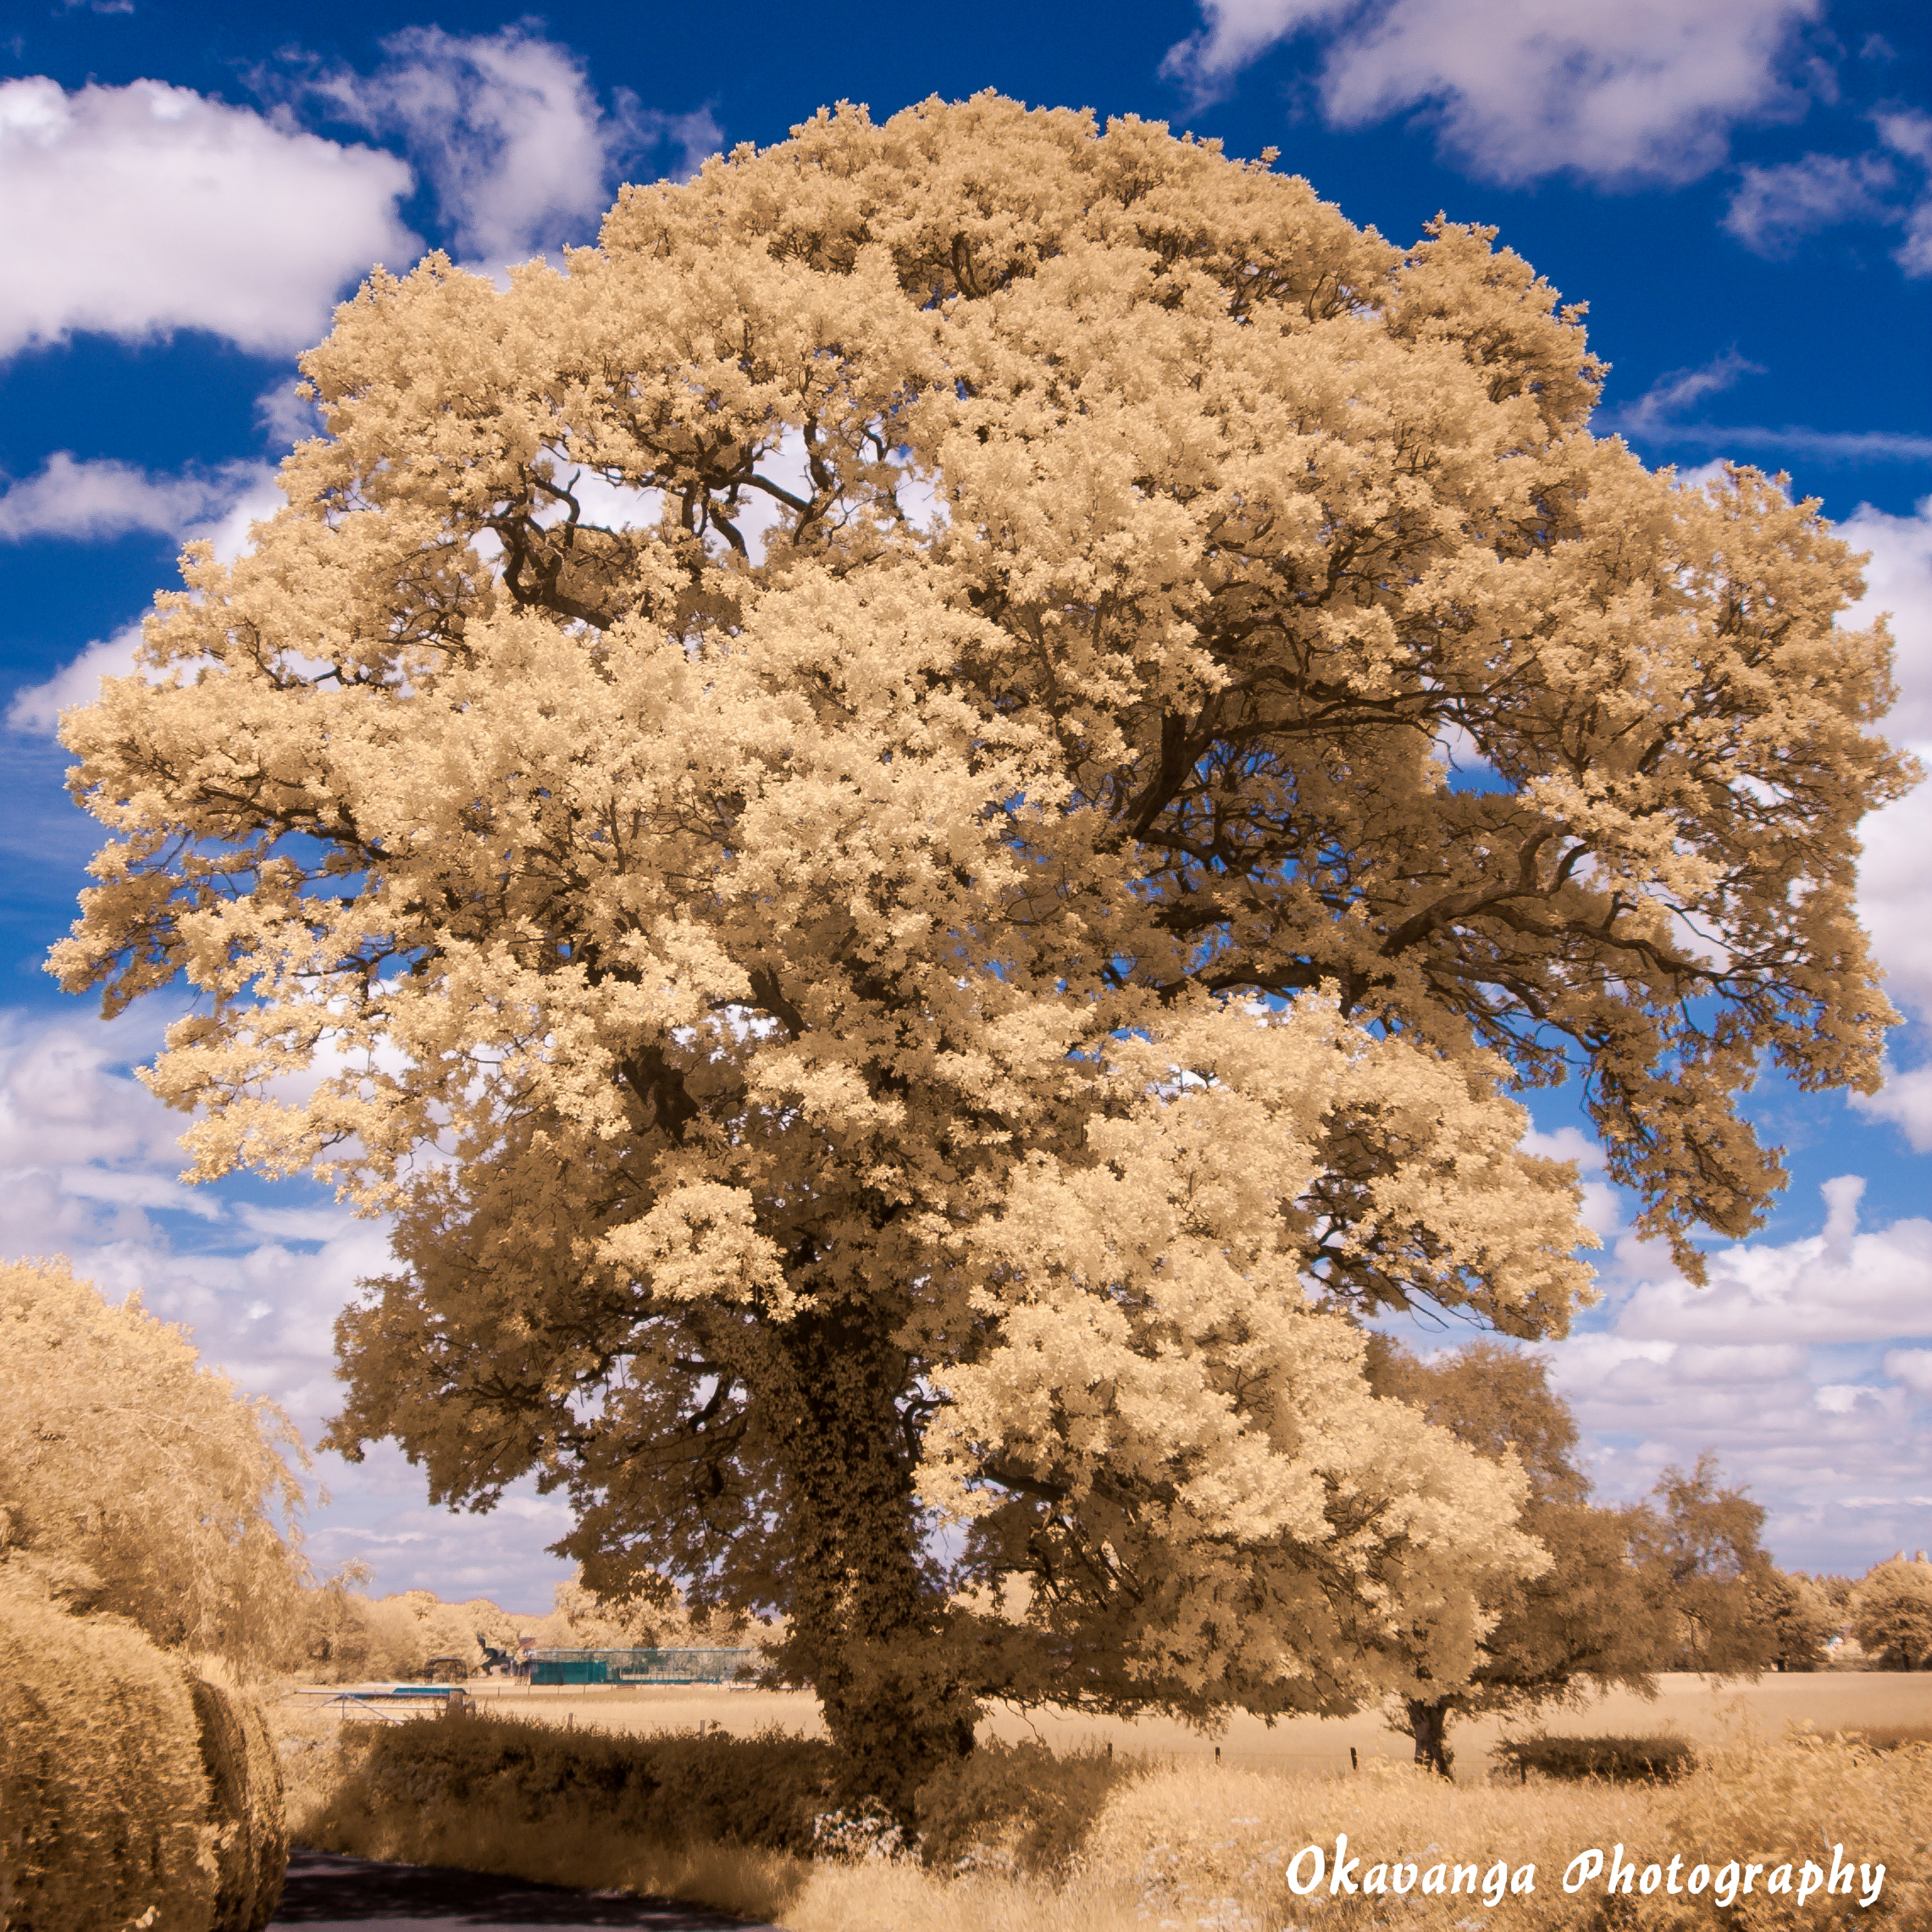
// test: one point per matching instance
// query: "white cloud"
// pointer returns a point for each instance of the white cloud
(89, 1164)
(65, 1103)
(1602, 1210)
(1891, 876)
(509, 132)
(1773, 208)
(1907, 1099)
(1910, 135)
(285, 417)
(1898, 582)
(1525, 88)
(136, 211)
(37, 708)
(70, 498)
(99, 498)
(1841, 1286)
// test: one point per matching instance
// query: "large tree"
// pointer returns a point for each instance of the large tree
(913, 817)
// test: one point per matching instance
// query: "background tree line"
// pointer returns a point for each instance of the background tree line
(137, 1484)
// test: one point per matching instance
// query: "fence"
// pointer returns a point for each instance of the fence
(642, 1666)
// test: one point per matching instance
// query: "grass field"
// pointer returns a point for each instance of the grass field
(1179, 1842)
(1691, 1706)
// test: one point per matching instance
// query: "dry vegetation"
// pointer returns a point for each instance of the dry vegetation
(133, 1792)
(1025, 1840)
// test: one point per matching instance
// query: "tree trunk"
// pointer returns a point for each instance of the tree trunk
(1427, 1723)
(867, 1616)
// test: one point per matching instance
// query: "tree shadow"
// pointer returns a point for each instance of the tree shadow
(326, 1890)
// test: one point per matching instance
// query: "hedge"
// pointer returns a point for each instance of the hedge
(1612, 1760)
(130, 1793)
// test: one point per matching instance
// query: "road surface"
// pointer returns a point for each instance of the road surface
(327, 1892)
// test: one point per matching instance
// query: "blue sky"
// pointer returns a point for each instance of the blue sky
(1741, 189)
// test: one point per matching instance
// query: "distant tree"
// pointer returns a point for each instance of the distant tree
(1701, 1546)
(135, 1481)
(1591, 1619)
(346, 1635)
(870, 763)
(1891, 1614)
(1796, 1614)
(1837, 1590)
(642, 1619)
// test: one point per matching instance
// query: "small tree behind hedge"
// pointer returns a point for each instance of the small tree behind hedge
(1591, 1619)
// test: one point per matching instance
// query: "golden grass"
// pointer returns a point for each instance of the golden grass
(1690, 1705)
(1184, 1844)
(1192, 1848)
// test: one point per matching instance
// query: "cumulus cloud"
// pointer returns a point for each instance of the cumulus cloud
(1776, 1366)
(1526, 88)
(1602, 1210)
(67, 497)
(1911, 1366)
(509, 132)
(67, 1101)
(1775, 207)
(185, 204)
(1905, 1099)
(1891, 877)
(1841, 1286)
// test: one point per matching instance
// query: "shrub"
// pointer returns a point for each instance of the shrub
(763, 1793)
(148, 1480)
(1614, 1760)
(103, 1802)
(1015, 1807)
(250, 1839)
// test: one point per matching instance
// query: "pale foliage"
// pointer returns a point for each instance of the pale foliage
(346, 1636)
(104, 1802)
(133, 1480)
(653, 1614)
(1892, 1614)
(842, 807)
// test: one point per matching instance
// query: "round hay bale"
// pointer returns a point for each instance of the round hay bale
(245, 1807)
(103, 1802)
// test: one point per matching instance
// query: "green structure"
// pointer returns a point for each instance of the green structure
(642, 1666)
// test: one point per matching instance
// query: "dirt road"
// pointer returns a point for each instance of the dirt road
(328, 1893)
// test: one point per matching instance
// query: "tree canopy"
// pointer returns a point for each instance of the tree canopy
(134, 1481)
(1892, 1614)
(913, 818)
(1593, 1617)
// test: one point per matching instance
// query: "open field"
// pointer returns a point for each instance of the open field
(1023, 1841)
(1689, 1705)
